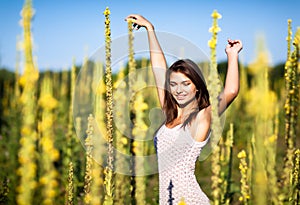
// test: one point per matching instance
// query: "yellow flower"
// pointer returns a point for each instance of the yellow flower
(43, 180)
(45, 124)
(273, 138)
(22, 81)
(216, 15)
(26, 131)
(214, 29)
(242, 154)
(182, 202)
(212, 43)
(87, 198)
(48, 102)
(124, 140)
(106, 12)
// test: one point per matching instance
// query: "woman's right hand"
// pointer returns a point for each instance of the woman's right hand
(139, 21)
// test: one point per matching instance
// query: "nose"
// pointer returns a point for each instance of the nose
(178, 89)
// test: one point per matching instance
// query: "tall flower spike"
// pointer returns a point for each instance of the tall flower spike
(122, 188)
(89, 160)
(289, 38)
(109, 176)
(131, 85)
(244, 181)
(139, 131)
(49, 153)
(214, 89)
(291, 109)
(295, 193)
(27, 151)
(70, 187)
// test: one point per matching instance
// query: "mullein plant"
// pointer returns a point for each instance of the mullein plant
(122, 191)
(27, 151)
(49, 154)
(71, 148)
(97, 138)
(263, 115)
(139, 128)
(291, 105)
(214, 89)
(97, 175)
(294, 190)
(226, 159)
(99, 89)
(108, 171)
(294, 197)
(69, 200)
(243, 166)
(270, 146)
(131, 82)
(70, 133)
(89, 160)
(251, 151)
(139, 132)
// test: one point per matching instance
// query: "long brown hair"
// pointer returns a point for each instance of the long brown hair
(192, 71)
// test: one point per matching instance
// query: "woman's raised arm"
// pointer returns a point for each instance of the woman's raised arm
(157, 57)
(232, 85)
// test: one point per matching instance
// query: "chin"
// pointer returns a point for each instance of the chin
(184, 102)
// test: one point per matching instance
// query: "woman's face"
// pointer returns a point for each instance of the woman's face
(182, 88)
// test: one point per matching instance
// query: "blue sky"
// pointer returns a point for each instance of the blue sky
(67, 29)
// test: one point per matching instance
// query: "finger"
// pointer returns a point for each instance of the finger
(237, 41)
(234, 42)
(136, 26)
(131, 18)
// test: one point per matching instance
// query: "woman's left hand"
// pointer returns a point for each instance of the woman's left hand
(233, 46)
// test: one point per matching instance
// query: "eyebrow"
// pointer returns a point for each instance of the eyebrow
(185, 81)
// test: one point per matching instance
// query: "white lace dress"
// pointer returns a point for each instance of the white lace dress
(177, 153)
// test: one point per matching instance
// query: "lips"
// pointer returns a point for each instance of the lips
(180, 97)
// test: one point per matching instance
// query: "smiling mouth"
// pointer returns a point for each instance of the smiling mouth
(180, 97)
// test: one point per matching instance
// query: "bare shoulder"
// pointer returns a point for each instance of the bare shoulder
(201, 125)
(204, 114)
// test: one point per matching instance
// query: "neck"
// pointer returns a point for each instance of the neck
(187, 109)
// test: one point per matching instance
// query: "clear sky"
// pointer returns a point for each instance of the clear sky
(67, 29)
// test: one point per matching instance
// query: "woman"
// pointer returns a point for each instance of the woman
(184, 99)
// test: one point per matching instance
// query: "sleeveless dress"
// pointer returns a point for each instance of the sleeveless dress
(177, 153)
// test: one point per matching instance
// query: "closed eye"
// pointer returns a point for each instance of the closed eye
(186, 83)
(172, 84)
